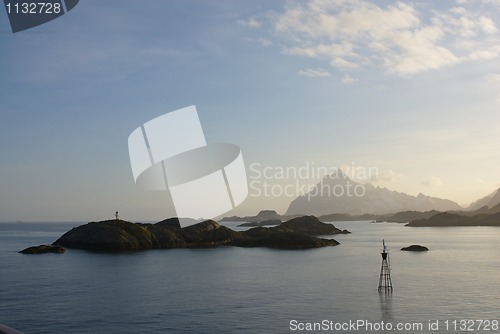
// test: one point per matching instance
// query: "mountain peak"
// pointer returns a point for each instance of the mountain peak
(490, 201)
(338, 194)
(268, 214)
(338, 174)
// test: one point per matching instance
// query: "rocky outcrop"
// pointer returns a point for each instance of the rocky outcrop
(297, 233)
(415, 248)
(109, 235)
(208, 234)
(43, 249)
(119, 235)
(305, 224)
(310, 225)
(284, 239)
(170, 222)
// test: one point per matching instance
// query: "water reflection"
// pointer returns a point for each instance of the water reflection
(386, 305)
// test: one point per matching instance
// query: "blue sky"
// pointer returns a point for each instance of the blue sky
(411, 88)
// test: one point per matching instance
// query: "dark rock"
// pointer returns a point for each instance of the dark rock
(43, 249)
(165, 236)
(297, 233)
(305, 224)
(108, 236)
(208, 233)
(282, 239)
(415, 248)
(170, 222)
(118, 235)
(310, 225)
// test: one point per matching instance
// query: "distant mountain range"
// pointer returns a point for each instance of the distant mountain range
(328, 202)
(481, 217)
(336, 193)
(489, 201)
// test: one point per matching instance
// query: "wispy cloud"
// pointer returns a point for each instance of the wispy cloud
(264, 42)
(495, 184)
(432, 181)
(386, 176)
(314, 73)
(348, 80)
(261, 41)
(494, 79)
(250, 23)
(401, 37)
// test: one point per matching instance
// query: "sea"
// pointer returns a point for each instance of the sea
(452, 288)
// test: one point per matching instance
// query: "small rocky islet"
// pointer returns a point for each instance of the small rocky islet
(415, 248)
(120, 235)
(42, 249)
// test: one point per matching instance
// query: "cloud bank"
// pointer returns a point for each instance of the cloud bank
(403, 38)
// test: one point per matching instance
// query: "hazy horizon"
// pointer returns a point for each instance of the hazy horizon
(410, 90)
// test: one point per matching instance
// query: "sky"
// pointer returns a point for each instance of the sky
(410, 89)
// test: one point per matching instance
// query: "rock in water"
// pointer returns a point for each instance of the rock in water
(282, 239)
(108, 236)
(310, 225)
(415, 248)
(208, 234)
(43, 249)
(118, 235)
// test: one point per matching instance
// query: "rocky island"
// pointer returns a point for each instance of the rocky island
(415, 248)
(120, 235)
(42, 249)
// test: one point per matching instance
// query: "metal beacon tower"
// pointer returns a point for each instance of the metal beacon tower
(385, 282)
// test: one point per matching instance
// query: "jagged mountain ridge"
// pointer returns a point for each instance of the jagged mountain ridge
(327, 197)
(489, 201)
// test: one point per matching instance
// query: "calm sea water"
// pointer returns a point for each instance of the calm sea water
(240, 290)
